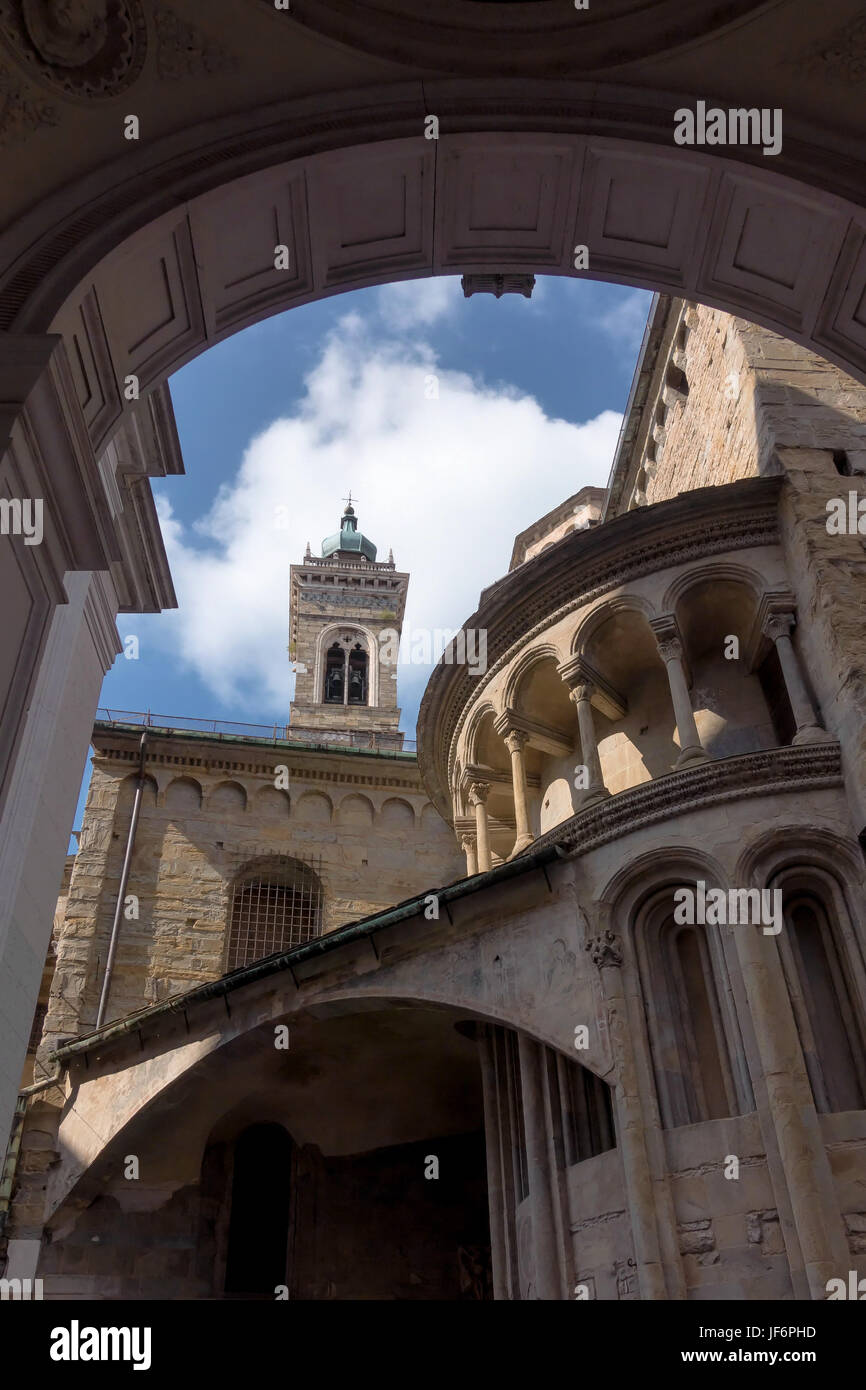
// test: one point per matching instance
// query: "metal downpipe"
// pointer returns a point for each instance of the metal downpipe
(124, 879)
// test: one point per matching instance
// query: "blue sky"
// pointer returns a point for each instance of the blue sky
(279, 421)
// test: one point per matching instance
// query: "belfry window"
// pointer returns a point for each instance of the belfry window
(335, 675)
(347, 671)
(357, 675)
(275, 904)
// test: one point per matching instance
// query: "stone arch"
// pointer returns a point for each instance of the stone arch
(522, 667)
(711, 571)
(183, 794)
(666, 866)
(397, 814)
(785, 846)
(315, 807)
(227, 796)
(355, 810)
(273, 803)
(474, 724)
(78, 239)
(127, 788)
(603, 611)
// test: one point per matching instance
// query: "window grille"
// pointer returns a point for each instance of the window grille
(275, 906)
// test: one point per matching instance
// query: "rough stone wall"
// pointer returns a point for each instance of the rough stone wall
(710, 435)
(366, 1226)
(750, 392)
(372, 846)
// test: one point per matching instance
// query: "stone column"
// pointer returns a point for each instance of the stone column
(496, 1196)
(478, 794)
(581, 693)
(515, 741)
(671, 651)
(806, 1167)
(545, 1245)
(778, 628)
(607, 954)
(467, 844)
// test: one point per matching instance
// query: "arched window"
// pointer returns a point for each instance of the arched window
(275, 904)
(346, 679)
(259, 1224)
(685, 1023)
(335, 675)
(823, 998)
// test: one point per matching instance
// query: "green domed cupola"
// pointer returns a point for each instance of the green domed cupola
(349, 540)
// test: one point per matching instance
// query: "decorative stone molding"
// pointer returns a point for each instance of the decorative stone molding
(842, 58)
(184, 51)
(773, 771)
(498, 285)
(84, 48)
(21, 112)
(605, 950)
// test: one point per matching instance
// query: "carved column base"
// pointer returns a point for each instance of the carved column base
(692, 755)
(811, 733)
(523, 842)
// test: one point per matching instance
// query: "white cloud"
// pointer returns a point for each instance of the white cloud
(626, 321)
(447, 482)
(418, 303)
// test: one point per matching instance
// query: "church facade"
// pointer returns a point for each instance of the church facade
(573, 1005)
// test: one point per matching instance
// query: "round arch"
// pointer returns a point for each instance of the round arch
(149, 260)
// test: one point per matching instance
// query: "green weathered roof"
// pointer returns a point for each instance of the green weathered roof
(349, 538)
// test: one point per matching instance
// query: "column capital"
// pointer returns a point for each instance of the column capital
(605, 949)
(515, 740)
(585, 683)
(776, 625)
(478, 793)
(669, 641)
(467, 843)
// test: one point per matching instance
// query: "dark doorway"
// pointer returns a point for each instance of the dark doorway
(259, 1225)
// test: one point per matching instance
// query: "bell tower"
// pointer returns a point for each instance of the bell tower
(345, 618)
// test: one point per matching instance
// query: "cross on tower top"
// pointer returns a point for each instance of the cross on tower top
(348, 500)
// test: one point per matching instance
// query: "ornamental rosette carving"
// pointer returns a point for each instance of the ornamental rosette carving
(83, 48)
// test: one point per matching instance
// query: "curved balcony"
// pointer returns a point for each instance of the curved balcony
(658, 642)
